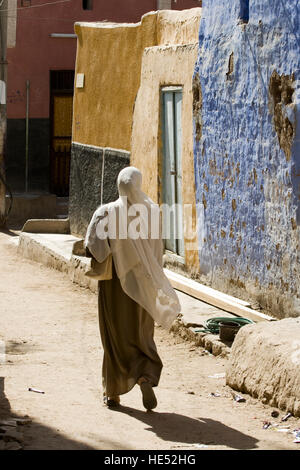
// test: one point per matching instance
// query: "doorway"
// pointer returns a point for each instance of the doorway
(61, 111)
(172, 169)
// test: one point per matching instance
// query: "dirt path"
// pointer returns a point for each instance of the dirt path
(52, 343)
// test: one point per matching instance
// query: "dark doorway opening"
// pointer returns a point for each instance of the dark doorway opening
(61, 111)
(87, 4)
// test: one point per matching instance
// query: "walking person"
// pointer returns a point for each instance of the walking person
(126, 248)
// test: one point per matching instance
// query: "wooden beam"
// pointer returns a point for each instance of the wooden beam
(218, 299)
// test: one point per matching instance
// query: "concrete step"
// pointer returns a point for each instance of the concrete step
(31, 206)
(62, 207)
(59, 225)
(55, 251)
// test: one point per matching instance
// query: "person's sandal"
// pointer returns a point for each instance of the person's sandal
(111, 402)
(149, 398)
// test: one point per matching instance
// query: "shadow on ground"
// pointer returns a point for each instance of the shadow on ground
(173, 427)
(8, 231)
(40, 437)
(4, 403)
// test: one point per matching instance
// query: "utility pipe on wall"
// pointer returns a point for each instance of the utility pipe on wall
(3, 75)
(27, 136)
(102, 176)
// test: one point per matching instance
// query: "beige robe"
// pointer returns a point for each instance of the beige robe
(126, 331)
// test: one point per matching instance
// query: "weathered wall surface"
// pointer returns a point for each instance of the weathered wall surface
(176, 27)
(94, 172)
(264, 362)
(110, 56)
(162, 66)
(246, 139)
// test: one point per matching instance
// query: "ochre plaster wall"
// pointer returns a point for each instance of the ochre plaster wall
(110, 56)
(178, 27)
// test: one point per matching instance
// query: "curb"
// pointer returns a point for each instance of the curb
(207, 341)
(33, 247)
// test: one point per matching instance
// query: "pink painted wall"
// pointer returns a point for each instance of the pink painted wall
(36, 53)
(183, 4)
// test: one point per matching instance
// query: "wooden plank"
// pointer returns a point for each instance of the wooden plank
(218, 299)
(202, 288)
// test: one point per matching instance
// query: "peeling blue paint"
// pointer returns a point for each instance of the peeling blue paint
(252, 213)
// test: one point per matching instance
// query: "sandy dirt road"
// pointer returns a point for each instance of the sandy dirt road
(50, 330)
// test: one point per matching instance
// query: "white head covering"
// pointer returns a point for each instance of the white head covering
(138, 260)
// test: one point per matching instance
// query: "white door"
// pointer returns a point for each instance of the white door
(172, 168)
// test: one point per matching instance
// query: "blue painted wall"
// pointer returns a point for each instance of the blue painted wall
(247, 152)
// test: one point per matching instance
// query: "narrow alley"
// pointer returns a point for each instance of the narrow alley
(52, 344)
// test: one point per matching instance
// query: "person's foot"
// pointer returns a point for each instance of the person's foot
(112, 401)
(149, 398)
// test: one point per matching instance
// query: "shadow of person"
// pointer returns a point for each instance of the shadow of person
(7, 231)
(4, 403)
(38, 436)
(182, 429)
